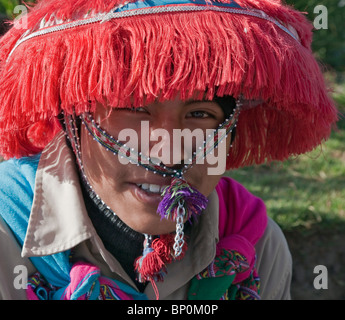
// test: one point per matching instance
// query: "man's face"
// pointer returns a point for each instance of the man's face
(131, 191)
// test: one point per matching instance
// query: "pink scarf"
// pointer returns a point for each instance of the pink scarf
(242, 221)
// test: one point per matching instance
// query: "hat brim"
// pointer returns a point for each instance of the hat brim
(137, 60)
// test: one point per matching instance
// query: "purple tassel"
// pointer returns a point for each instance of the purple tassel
(181, 192)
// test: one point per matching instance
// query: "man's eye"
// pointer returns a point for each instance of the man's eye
(198, 114)
(132, 109)
(140, 109)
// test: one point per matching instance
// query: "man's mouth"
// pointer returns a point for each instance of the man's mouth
(152, 188)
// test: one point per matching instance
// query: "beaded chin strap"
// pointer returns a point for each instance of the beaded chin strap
(180, 200)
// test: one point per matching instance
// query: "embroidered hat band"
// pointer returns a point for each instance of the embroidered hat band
(147, 7)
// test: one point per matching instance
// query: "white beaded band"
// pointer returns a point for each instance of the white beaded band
(46, 28)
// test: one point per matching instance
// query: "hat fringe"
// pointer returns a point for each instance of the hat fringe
(137, 61)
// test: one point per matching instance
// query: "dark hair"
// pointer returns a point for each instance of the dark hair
(3, 26)
(228, 105)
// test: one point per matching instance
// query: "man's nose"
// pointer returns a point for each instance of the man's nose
(166, 145)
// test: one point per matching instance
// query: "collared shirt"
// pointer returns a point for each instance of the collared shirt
(59, 221)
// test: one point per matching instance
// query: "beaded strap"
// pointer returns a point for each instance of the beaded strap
(140, 8)
(74, 139)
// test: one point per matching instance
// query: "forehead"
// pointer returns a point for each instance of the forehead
(174, 102)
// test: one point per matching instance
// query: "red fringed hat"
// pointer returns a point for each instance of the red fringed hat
(72, 53)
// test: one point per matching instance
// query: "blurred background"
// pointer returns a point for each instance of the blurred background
(304, 195)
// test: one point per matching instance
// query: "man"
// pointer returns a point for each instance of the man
(165, 225)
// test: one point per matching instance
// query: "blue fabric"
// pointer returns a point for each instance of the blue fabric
(153, 3)
(17, 178)
(17, 181)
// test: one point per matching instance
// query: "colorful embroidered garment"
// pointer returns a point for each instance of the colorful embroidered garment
(86, 283)
(214, 283)
(217, 280)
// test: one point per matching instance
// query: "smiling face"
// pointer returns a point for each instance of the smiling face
(132, 192)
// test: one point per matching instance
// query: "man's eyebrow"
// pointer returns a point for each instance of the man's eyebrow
(188, 102)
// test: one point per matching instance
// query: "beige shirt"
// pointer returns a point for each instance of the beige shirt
(59, 221)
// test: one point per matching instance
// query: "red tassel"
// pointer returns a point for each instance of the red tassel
(163, 247)
(151, 266)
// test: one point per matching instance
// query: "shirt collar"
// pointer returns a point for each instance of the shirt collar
(58, 219)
